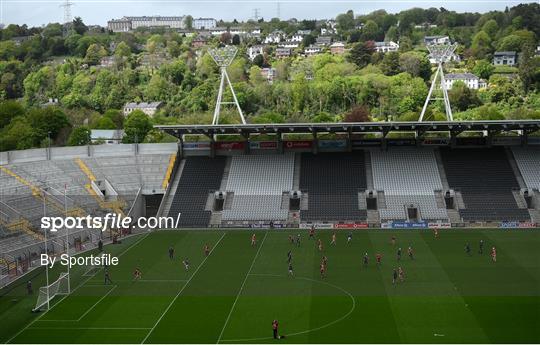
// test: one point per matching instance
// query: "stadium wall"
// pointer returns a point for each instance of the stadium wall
(69, 152)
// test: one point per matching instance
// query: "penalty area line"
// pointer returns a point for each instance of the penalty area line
(241, 288)
(72, 291)
(181, 290)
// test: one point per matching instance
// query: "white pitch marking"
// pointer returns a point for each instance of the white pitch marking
(181, 290)
(241, 288)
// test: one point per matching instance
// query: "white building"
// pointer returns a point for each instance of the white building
(107, 136)
(312, 50)
(119, 25)
(303, 32)
(274, 37)
(428, 40)
(289, 44)
(255, 50)
(297, 37)
(505, 58)
(472, 81)
(132, 23)
(385, 47)
(204, 23)
(147, 108)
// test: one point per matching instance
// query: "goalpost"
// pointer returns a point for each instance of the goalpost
(47, 293)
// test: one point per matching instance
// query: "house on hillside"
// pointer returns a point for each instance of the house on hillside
(472, 81)
(283, 53)
(198, 42)
(337, 48)
(323, 40)
(385, 47)
(255, 50)
(274, 37)
(507, 58)
(312, 50)
(149, 109)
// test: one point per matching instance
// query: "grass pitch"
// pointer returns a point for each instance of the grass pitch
(233, 295)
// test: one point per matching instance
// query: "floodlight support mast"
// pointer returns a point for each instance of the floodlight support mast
(223, 58)
(441, 54)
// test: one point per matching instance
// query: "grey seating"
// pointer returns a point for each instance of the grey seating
(258, 182)
(528, 161)
(200, 176)
(408, 176)
(332, 181)
(486, 180)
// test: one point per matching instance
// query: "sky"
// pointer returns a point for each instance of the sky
(98, 12)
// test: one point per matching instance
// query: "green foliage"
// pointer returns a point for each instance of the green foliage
(79, 136)
(136, 127)
(8, 111)
(361, 53)
(463, 98)
(483, 69)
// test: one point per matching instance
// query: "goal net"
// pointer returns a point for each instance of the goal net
(58, 287)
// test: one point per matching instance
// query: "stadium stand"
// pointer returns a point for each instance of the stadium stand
(200, 176)
(528, 161)
(486, 180)
(258, 183)
(332, 181)
(408, 176)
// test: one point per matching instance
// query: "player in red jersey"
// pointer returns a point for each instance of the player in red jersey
(206, 250)
(323, 270)
(379, 258)
(275, 326)
(494, 254)
(137, 274)
(312, 232)
(401, 274)
(324, 260)
(253, 240)
(333, 239)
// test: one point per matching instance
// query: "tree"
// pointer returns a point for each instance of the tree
(308, 40)
(483, 69)
(8, 111)
(527, 66)
(390, 63)
(18, 135)
(491, 28)
(463, 98)
(225, 38)
(116, 116)
(78, 26)
(94, 53)
(236, 40)
(188, 20)
(416, 64)
(47, 120)
(122, 50)
(258, 60)
(361, 53)
(104, 123)
(370, 31)
(79, 136)
(359, 113)
(345, 21)
(481, 45)
(136, 127)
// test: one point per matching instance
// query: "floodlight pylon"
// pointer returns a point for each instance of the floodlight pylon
(223, 58)
(441, 53)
